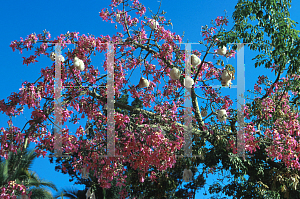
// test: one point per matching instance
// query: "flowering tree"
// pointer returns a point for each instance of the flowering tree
(272, 132)
(150, 132)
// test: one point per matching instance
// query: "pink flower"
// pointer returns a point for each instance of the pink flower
(142, 179)
(29, 60)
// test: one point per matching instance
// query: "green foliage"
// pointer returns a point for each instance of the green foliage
(265, 24)
(16, 168)
(137, 103)
(273, 34)
(124, 100)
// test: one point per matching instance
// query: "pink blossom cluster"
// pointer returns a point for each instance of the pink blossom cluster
(13, 190)
(284, 133)
(221, 20)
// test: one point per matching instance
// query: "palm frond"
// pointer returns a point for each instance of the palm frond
(71, 193)
(3, 173)
(40, 193)
(34, 180)
(28, 158)
(17, 167)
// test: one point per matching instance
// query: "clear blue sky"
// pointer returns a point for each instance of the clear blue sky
(21, 18)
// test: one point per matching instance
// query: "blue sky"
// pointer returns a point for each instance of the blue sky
(21, 18)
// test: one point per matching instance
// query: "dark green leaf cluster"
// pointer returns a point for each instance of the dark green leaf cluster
(270, 31)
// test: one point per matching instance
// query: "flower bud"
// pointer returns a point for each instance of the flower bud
(175, 73)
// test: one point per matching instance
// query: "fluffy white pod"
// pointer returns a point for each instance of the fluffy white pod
(187, 175)
(222, 115)
(226, 83)
(226, 75)
(143, 83)
(195, 61)
(153, 24)
(78, 63)
(188, 82)
(175, 73)
(203, 113)
(222, 51)
(60, 58)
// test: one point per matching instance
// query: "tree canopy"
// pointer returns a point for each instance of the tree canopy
(151, 131)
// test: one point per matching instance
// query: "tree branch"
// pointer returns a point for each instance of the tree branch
(144, 112)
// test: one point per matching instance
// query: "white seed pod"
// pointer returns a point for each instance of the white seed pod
(187, 175)
(195, 61)
(76, 59)
(222, 115)
(61, 58)
(118, 17)
(153, 24)
(81, 65)
(188, 82)
(78, 63)
(226, 83)
(222, 51)
(226, 75)
(203, 112)
(52, 56)
(175, 73)
(143, 83)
